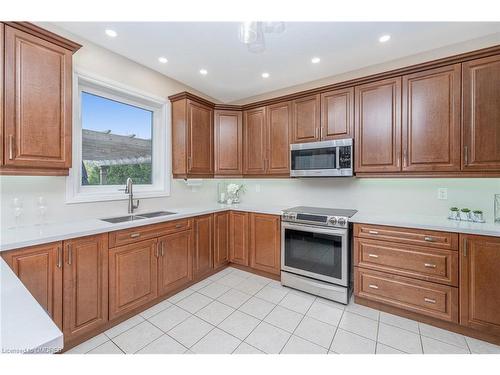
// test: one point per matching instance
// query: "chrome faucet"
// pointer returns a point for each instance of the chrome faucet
(129, 190)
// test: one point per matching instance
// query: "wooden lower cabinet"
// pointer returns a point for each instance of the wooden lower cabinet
(40, 270)
(203, 250)
(175, 267)
(132, 276)
(238, 237)
(85, 294)
(480, 283)
(265, 242)
(221, 239)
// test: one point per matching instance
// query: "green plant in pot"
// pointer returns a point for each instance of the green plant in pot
(454, 213)
(465, 214)
(478, 216)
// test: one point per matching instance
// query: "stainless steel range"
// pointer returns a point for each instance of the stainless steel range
(315, 251)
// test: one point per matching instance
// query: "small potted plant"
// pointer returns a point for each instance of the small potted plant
(454, 213)
(478, 216)
(465, 214)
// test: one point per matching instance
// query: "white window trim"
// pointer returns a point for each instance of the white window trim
(161, 158)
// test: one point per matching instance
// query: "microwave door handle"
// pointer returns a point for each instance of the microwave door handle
(337, 157)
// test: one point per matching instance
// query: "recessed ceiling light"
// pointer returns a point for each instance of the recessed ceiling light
(163, 60)
(203, 72)
(315, 60)
(265, 75)
(384, 38)
(111, 33)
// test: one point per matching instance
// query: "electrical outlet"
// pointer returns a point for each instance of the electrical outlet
(257, 188)
(443, 193)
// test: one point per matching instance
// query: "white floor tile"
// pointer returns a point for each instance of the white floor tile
(201, 284)
(398, 338)
(88, 345)
(107, 348)
(297, 345)
(153, 310)
(400, 322)
(257, 307)
(163, 345)
(260, 279)
(241, 273)
(272, 294)
(234, 298)
(181, 295)
(231, 280)
(326, 313)
(244, 348)
(215, 312)
(331, 303)
(216, 342)
(296, 302)
(359, 325)
(190, 331)
(315, 331)
(346, 342)
(137, 337)
(284, 318)
(268, 338)
(432, 346)
(169, 318)
(442, 335)
(482, 347)
(249, 286)
(384, 349)
(124, 326)
(194, 302)
(277, 284)
(214, 290)
(239, 324)
(362, 310)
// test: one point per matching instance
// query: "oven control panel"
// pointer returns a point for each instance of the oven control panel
(322, 220)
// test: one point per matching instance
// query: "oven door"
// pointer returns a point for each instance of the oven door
(319, 253)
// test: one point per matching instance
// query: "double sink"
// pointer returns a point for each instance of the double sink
(148, 215)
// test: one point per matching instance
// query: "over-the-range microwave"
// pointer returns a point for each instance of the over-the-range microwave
(322, 159)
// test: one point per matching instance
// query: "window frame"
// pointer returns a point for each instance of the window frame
(161, 145)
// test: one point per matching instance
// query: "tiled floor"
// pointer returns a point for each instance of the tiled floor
(237, 312)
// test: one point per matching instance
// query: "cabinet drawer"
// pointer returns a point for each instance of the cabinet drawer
(430, 238)
(127, 236)
(440, 266)
(434, 300)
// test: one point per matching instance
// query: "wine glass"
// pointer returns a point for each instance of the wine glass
(41, 203)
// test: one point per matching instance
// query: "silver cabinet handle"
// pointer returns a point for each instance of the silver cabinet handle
(429, 239)
(11, 147)
(429, 300)
(162, 249)
(466, 155)
(189, 163)
(135, 235)
(465, 247)
(405, 158)
(70, 254)
(373, 255)
(372, 286)
(372, 232)
(429, 265)
(157, 251)
(59, 257)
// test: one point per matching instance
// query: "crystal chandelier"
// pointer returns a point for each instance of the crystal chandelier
(252, 33)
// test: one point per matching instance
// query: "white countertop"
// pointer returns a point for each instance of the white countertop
(25, 327)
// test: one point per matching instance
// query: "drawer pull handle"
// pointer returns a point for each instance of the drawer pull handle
(178, 225)
(373, 255)
(429, 265)
(135, 235)
(372, 286)
(429, 239)
(429, 300)
(372, 232)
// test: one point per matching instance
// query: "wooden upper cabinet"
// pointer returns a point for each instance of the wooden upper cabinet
(306, 119)
(40, 270)
(175, 266)
(228, 143)
(480, 283)
(337, 114)
(278, 138)
(38, 116)
(85, 285)
(238, 237)
(481, 114)
(2, 31)
(221, 240)
(254, 141)
(431, 120)
(203, 252)
(378, 126)
(265, 243)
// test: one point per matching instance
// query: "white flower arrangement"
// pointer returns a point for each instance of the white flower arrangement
(233, 191)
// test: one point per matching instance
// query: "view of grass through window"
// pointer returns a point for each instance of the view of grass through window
(116, 142)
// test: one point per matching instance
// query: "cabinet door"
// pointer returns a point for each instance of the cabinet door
(480, 283)
(337, 114)
(278, 138)
(221, 240)
(254, 141)
(85, 285)
(306, 119)
(1, 92)
(132, 276)
(200, 138)
(203, 260)
(481, 114)
(265, 242)
(238, 229)
(37, 102)
(431, 120)
(378, 126)
(40, 270)
(175, 267)
(228, 143)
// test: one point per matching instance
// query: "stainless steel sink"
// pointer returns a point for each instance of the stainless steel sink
(147, 215)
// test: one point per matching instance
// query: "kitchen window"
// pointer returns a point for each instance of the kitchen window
(118, 132)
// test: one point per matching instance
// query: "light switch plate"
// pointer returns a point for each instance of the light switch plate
(443, 193)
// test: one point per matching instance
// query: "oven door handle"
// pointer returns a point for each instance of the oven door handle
(314, 229)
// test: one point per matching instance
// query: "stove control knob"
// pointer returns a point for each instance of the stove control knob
(333, 221)
(342, 221)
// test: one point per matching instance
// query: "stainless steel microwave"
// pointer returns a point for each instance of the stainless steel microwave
(322, 159)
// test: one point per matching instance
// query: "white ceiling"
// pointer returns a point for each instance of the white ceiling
(234, 73)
